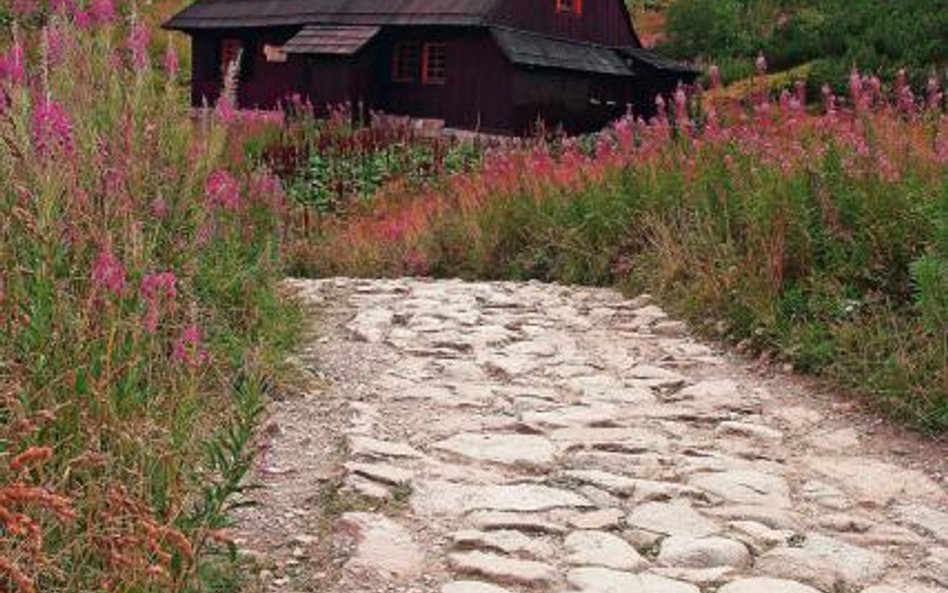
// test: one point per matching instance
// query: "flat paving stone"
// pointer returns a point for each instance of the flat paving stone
(502, 569)
(556, 438)
(383, 546)
(674, 518)
(598, 548)
(703, 552)
(605, 580)
(450, 498)
(529, 451)
(472, 587)
(766, 585)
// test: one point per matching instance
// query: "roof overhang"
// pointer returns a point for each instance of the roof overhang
(242, 14)
(540, 51)
(647, 59)
(331, 40)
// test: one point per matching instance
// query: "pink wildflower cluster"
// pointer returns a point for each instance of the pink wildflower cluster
(138, 40)
(108, 272)
(222, 190)
(156, 289)
(13, 65)
(52, 128)
(189, 349)
(171, 64)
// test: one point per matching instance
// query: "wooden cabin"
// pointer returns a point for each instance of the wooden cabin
(496, 66)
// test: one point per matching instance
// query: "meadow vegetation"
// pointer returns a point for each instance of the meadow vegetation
(142, 245)
(831, 36)
(140, 322)
(820, 239)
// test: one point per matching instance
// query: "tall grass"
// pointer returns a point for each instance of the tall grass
(820, 238)
(140, 321)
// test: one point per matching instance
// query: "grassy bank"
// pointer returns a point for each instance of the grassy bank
(140, 321)
(820, 238)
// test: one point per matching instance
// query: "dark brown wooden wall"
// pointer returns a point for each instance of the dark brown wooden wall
(261, 84)
(603, 21)
(477, 90)
(563, 99)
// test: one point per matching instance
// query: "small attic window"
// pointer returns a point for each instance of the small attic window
(574, 7)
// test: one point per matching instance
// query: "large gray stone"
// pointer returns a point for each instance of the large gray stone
(510, 542)
(372, 325)
(605, 580)
(925, 519)
(618, 440)
(450, 498)
(675, 518)
(507, 521)
(502, 569)
(745, 487)
(382, 546)
(472, 587)
(524, 450)
(370, 447)
(801, 565)
(857, 566)
(765, 585)
(597, 548)
(876, 482)
(703, 552)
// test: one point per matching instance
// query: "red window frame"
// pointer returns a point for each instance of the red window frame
(434, 63)
(574, 7)
(413, 62)
(405, 66)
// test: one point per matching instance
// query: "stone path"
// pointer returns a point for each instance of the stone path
(501, 438)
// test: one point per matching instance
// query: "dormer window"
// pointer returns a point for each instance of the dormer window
(573, 7)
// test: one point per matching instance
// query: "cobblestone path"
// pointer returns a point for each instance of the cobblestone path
(506, 437)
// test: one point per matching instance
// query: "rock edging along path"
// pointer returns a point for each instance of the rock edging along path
(504, 437)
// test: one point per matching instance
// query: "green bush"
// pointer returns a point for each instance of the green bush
(878, 36)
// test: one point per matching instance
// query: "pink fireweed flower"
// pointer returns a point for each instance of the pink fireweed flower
(24, 8)
(222, 190)
(52, 128)
(761, 64)
(101, 12)
(681, 105)
(13, 65)
(155, 289)
(189, 350)
(62, 6)
(715, 74)
(108, 272)
(55, 44)
(266, 189)
(935, 95)
(137, 43)
(829, 100)
(225, 111)
(799, 88)
(82, 19)
(171, 62)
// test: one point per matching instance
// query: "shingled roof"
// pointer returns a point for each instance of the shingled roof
(532, 49)
(216, 14)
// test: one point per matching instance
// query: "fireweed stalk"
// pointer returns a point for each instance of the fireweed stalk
(138, 310)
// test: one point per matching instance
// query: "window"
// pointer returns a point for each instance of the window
(574, 7)
(434, 63)
(420, 62)
(406, 62)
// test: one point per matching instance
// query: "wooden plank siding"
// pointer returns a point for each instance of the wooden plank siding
(605, 22)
